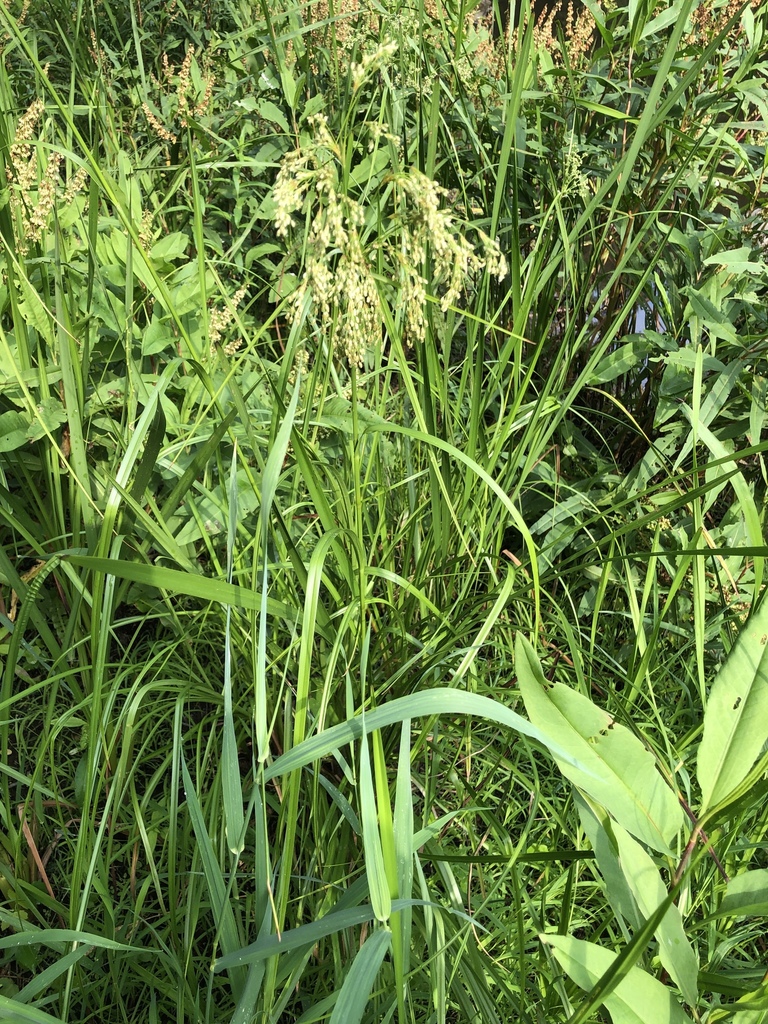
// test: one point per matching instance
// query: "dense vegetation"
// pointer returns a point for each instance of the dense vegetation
(382, 509)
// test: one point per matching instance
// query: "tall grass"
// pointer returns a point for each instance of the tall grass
(381, 441)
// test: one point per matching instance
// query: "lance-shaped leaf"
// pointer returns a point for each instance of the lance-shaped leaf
(675, 951)
(378, 885)
(598, 826)
(752, 1008)
(746, 895)
(356, 990)
(634, 889)
(736, 718)
(231, 783)
(636, 999)
(620, 773)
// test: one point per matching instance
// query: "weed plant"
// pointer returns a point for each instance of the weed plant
(382, 511)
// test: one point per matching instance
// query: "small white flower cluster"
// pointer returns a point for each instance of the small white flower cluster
(46, 198)
(336, 272)
(145, 228)
(575, 182)
(22, 168)
(414, 293)
(293, 181)
(378, 130)
(346, 288)
(358, 295)
(495, 260)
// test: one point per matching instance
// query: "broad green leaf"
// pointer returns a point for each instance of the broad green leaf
(356, 989)
(637, 998)
(736, 716)
(621, 360)
(49, 416)
(13, 431)
(752, 1008)
(34, 311)
(649, 891)
(667, 17)
(703, 307)
(686, 358)
(746, 895)
(635, 890)
(170, 247)
(157, 337)
(271, 112)
(753, 1005)
(621, 774)
(370, 168)
(736, 260)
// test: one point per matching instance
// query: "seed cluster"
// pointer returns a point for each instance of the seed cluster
(578, 31)
(218, 321)
(33, 195)
(190, 94)
(340, 246)
(708, 22)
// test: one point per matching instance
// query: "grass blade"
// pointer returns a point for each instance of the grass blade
(355, 991)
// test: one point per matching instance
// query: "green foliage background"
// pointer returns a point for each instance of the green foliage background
(382, 513)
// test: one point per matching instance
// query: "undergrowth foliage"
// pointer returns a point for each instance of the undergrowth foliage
(382, 512)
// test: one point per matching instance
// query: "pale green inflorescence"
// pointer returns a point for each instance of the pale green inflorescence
(338, 255)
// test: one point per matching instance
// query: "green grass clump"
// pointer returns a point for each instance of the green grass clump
(382, 510)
